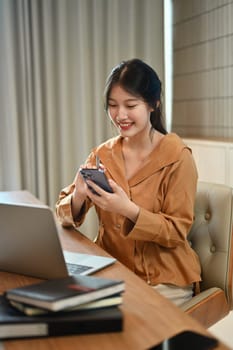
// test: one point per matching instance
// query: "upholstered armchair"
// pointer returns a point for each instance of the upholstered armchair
(211, 238)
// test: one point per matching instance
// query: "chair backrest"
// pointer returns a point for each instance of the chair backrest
(211, 236)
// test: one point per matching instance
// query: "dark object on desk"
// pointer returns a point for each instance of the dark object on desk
(58, 294)
(15, 325)
(187, 341)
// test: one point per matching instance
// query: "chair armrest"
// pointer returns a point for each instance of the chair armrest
(208, 307)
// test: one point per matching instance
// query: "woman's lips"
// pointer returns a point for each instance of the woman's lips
(125, 126)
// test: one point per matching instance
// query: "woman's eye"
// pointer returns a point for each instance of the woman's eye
(131, 106)
(112, 106)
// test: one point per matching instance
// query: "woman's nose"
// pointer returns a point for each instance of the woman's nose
(122, 113)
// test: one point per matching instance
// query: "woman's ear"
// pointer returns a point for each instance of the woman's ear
(157, 105)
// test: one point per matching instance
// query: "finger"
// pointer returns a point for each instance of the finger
(96, 188)
(101, 167)
(113, 185)
(87, 166)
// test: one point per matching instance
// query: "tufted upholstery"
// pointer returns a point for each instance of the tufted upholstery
(211, 238)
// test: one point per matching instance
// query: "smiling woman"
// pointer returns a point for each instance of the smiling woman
(145, 220)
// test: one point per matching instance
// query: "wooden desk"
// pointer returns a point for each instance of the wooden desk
(149, 318)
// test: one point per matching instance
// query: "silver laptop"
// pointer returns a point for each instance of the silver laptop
(30, 245)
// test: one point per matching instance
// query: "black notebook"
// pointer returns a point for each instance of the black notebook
(15, 324)
(30, 310)
(61, 293)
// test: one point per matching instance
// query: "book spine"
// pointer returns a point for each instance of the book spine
(23, 330)
(26, 330)
(91, 327)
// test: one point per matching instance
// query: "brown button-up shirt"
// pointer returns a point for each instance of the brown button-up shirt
(156, 246)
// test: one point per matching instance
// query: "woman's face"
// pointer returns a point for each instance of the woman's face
(130, 114)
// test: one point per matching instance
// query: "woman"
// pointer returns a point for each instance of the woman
(145, 221)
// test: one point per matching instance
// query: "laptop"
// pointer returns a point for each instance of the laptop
(30, 245)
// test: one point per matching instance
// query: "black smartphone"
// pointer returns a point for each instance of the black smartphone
(98, 177)
(187, 340)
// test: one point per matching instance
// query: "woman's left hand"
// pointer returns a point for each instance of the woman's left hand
(117, 202)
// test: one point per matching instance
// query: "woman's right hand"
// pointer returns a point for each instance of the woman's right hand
(79, 194)
(80, 184)
(80, 190)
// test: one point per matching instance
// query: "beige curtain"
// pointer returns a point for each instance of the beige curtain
(55, 56)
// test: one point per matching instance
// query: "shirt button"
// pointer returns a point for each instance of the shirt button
(213, 249)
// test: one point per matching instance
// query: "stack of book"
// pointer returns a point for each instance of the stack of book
(70, 305)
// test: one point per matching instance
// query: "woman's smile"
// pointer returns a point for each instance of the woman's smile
(130, 114)
(124, 126)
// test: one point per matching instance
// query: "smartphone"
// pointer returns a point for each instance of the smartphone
(187, 340)
(98, 177)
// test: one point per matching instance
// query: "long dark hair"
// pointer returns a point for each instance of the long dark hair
(140, 80)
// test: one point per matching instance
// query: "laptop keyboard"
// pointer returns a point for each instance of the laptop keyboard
(76, 269)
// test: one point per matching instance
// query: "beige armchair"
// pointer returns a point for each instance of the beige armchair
(211, 238)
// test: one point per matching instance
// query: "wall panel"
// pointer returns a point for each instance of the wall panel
(203, 68)
(214, 160)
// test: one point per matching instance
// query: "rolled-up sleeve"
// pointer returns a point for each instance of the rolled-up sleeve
(63, 208)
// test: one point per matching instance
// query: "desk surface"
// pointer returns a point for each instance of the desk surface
(149, 318)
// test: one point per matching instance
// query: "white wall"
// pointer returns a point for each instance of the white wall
(214, 160)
